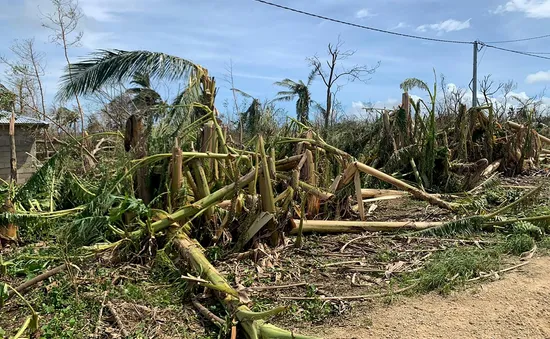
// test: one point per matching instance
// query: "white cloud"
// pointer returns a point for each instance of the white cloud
(519, 95)
(401, 25)
(451, 87)
(530, 8)
(357, 108)
(363, 13)
(446, 26)
(415, 97)
(110, 10)
(360, 109)
(540, 76)
(99, 40)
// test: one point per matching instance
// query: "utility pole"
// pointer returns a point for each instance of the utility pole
(474, 77)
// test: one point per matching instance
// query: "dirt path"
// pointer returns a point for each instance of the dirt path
(517, 306)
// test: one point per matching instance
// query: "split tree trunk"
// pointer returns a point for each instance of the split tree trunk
(252, 323)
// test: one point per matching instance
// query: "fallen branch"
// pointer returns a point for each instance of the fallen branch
(521, 200)
(262, 288)
(308, 188)
(489, 170)
(207, 314)
(253, 323)
(500, 271)
(353, 240)
(516, 126)
(351, 297)
(340, 226)
(98, 323)
(118, 321)
(376, 193)
(415, 192)
(21, 288)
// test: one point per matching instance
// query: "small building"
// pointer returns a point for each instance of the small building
(26, 130)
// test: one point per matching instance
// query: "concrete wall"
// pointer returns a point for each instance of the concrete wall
(24, 143)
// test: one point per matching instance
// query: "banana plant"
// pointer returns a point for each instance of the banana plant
(429, 144)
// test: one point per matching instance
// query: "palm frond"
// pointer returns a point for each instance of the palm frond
(290, 84)
(41, 181)
(411, 83)
(108, 66)
(462, 226)
(312, 75)
(142, 80)
(281, 96)
(244, 94)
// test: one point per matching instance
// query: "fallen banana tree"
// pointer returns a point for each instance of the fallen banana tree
(342, 226)
(352, 169)
(253, 324)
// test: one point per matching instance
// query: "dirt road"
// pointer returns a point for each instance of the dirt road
(516, 306)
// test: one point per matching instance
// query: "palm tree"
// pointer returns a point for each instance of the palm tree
(300, 90)
(144, 95)
(139, 67)
(107, 67)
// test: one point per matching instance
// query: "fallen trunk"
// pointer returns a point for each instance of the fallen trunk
(367, 193)
(516, 126)
(308, 188)
(340, 226)
(198, 206)
(253, 323)
(432, 199)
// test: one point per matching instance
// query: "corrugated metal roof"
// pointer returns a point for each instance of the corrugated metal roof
(20, 120)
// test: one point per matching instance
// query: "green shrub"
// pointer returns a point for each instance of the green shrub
(518, 243)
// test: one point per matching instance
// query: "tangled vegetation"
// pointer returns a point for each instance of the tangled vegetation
(177, 190)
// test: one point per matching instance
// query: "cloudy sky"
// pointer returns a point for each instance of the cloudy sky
(267, 44)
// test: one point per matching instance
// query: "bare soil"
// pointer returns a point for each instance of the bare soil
(515, 306)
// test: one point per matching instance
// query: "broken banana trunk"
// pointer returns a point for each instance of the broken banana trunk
(253, 324)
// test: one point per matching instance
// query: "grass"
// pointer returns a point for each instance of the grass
(453, 267)
(544, 243)
(63, 314)
(517, 244)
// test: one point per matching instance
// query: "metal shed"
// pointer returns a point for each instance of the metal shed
(25, 143)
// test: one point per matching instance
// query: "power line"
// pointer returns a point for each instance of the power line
(542, 53)
(482, 55)
(362, 26)
(519, 40)
(517, 52)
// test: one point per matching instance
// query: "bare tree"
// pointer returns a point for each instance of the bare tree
(452, 98)
(34, 70)
(63, 22)
(19, 78)
(236, 111)
(334, 72)
(488, 89)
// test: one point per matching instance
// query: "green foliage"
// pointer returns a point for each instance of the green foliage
(7, 99)
(66, 315)
(518, 243)
(465, 226)
(453, 267)
(359, 138)
(315, 311)
(45, 181)
(117, 65)
(298, 89)
(545, 243)
(527, 228)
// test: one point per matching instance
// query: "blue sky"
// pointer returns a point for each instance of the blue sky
(267, 44)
